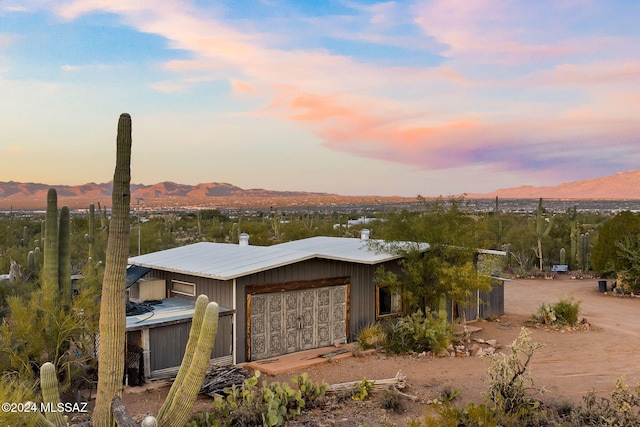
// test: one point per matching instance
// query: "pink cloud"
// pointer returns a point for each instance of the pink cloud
(568, 75)
(424, 118)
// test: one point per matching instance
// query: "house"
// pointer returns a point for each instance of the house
(273, 300)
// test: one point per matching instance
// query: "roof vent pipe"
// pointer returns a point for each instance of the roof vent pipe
(364, 234)
(243, 239)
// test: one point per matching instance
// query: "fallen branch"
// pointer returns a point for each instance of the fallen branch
(408, 396)
(399, 382)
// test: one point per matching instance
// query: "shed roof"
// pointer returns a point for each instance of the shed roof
(221, 261)
(224, 261)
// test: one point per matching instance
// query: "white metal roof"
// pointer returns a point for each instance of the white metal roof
(346, 249)
(225, 261)
(221, 261)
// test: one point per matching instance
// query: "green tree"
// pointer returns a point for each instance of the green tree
(446, 269)
(605, 256)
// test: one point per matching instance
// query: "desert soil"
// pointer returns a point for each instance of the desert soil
(570, 364)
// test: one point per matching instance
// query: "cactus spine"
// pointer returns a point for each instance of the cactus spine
(51, 244)
(112, 310)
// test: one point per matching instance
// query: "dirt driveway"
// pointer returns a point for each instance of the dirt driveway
(569, 365)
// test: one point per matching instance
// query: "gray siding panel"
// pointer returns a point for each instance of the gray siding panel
(168, 343)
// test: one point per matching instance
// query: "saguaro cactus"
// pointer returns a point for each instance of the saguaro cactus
(112, 310)
(50, 397)
(541, 231)
(64, 256)
(51, 244)
(91, 236)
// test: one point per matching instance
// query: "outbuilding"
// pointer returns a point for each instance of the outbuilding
(274, 300)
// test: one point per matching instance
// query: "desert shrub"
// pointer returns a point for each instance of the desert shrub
(371, 336)
(418, 332)
(391, 401)
(562, 313)
(510, 379)
(622, 408)
(250, 405)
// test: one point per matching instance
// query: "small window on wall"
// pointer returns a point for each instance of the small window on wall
(183, 288)
(388, 303)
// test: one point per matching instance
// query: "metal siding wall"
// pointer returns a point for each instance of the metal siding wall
(167, 345)
(224, 339)
(494, 301)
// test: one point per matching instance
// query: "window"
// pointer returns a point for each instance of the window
(388, 303)
(183, 288)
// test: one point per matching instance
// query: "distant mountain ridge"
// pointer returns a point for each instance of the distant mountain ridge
(19, 190)
(21, 195)
(622, 185)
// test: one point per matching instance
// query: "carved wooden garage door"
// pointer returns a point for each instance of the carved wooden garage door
(286, 322)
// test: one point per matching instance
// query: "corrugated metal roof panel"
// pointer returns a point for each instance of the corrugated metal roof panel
(344, 249)
(219, 260)
(225, 261)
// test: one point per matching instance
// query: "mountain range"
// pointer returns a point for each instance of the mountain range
(619, 186)
(622, 185)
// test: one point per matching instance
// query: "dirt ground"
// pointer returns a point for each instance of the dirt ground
(570, 364)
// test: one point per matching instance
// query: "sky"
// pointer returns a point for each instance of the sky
(394, 98)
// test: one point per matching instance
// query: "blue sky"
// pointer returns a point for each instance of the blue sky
(434, 97)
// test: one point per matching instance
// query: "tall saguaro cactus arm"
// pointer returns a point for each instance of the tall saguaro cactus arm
(50, 264)
(541, 231)
(112, 310)
(64, 256)
(194, 333)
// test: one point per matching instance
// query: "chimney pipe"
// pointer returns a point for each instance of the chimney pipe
(243, 240)
(364, 234)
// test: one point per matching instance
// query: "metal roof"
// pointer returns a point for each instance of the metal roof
(169, 311)
(221, 261)
(224, 261)
(362, 251)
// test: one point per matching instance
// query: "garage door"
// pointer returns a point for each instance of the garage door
(286, 322)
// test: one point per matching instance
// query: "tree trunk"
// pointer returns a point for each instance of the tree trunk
(112, 311)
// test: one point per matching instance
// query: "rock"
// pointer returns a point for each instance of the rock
(479, 340)
(491, 343)
(475, 350)
(490, 350)
(443, 353)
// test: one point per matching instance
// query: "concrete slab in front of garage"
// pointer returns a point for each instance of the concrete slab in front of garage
(300, 360)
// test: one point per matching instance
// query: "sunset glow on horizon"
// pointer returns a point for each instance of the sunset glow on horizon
(433, 97)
